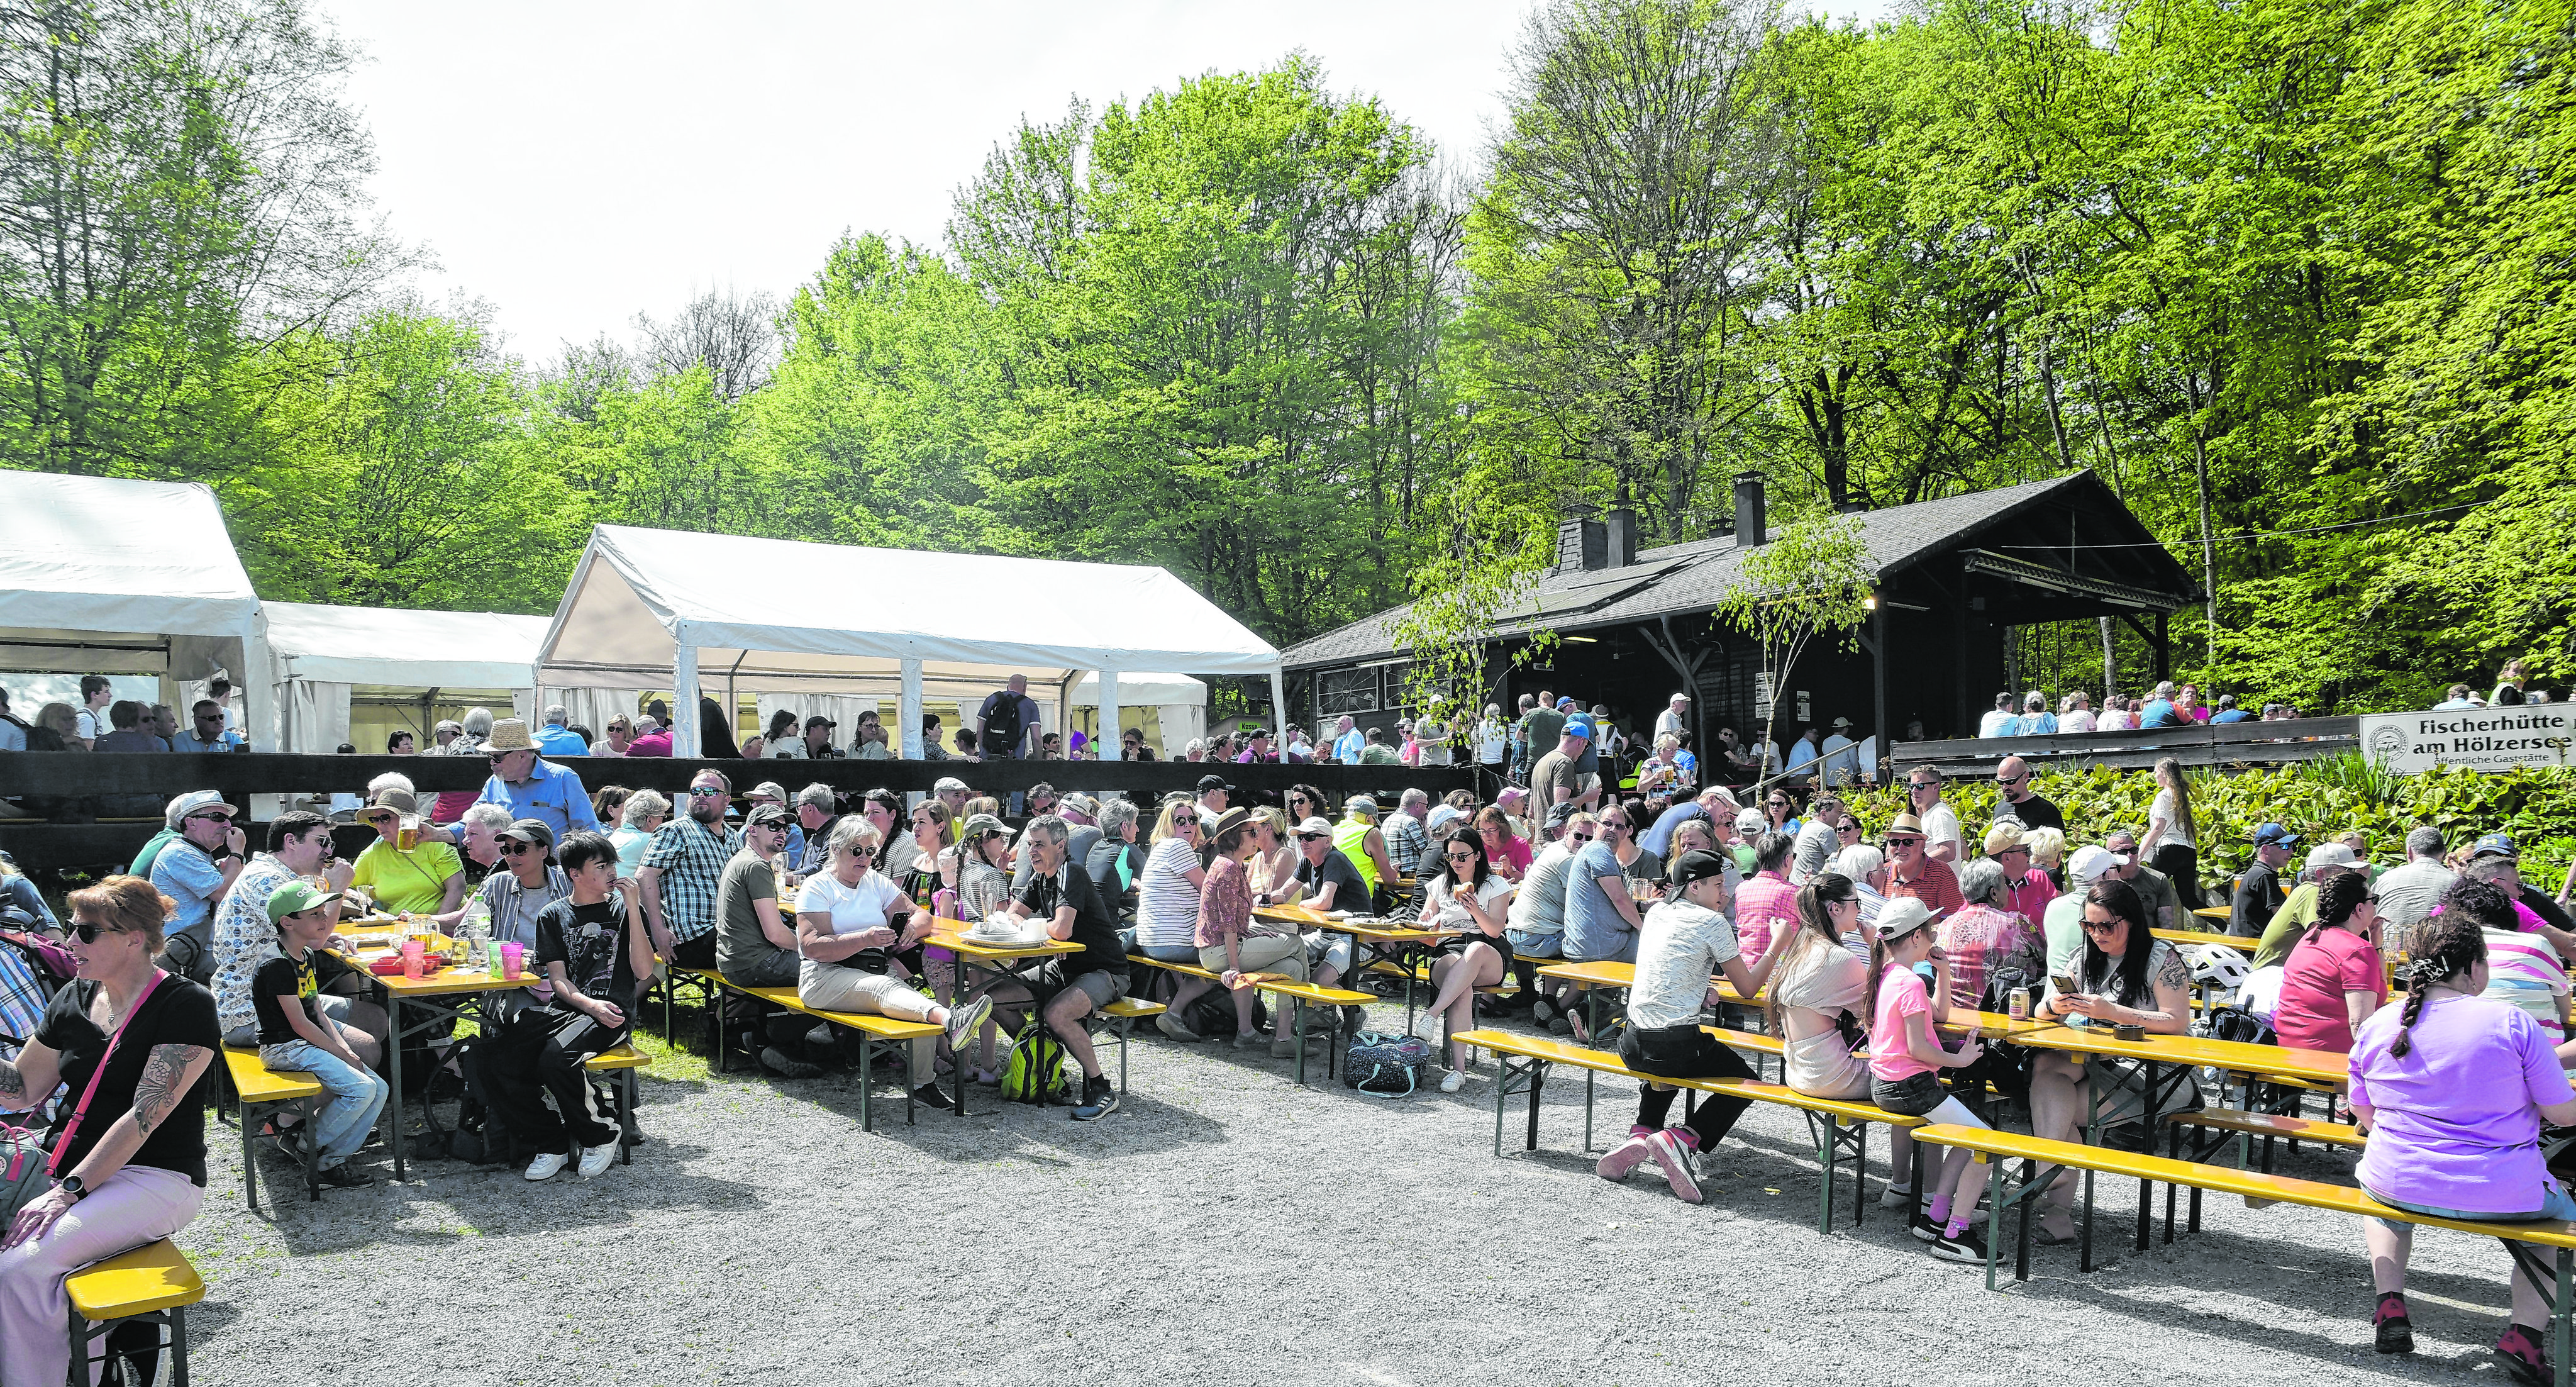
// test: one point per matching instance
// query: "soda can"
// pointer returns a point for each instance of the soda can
(2020, 1004)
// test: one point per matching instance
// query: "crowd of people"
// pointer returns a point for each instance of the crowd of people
(1857, 944)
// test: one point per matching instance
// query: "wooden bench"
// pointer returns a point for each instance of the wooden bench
(875, 1032)
(622, 1062)
(1299, 996)
(259, 1090)
(2043, 1159)
(1840, 1127)
(154, 1283)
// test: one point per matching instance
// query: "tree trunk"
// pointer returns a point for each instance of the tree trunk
(2110, 661)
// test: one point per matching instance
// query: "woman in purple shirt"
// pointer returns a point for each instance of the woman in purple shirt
(2452, 1089)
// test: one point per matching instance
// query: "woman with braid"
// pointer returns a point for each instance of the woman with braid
(2452, 1088)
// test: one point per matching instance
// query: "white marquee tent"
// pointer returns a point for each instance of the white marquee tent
(105, 576)
(324, 657)
(703, 613)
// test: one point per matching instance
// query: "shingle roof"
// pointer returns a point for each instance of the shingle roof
(1695, 576)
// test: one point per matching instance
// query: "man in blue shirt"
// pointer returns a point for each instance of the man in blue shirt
(2228, 711)
(2159, 711)
(532, 788)
(1601, 918)
(207, 731)
(1349, 741)
(559, 739)
(194, 871)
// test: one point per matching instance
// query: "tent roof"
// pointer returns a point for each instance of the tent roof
(101, 554)
(843, 618)
(1142, 690)
(405, 649)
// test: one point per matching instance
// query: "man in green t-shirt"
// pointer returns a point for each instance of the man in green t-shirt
(1542, 725)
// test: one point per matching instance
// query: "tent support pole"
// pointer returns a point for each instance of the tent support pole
(1110, 729)
(684, 695)
(909, 742)
(1278, 704)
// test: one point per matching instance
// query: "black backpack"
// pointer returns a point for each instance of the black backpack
(1002, 721)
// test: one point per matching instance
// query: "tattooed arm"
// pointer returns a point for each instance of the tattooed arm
(30, 1078)
(168, 1073)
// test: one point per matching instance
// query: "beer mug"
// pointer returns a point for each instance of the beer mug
(407, 834)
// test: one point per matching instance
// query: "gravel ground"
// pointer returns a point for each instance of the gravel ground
(1227, 1226)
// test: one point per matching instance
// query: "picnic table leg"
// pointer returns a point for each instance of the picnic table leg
(1587, 1111)
(250, 1168)
(2031, 1190)
(1860, 1172)
(1297, 1025)
(2562, 1340)
(2147, 1188)
(394, 1009)
(1502, 1095)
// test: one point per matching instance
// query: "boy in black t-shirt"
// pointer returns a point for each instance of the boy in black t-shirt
(295, 1035)
(592, 947)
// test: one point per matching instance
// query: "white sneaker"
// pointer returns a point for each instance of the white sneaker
(595, 1160)
(1453, 1081)
(548, 1166)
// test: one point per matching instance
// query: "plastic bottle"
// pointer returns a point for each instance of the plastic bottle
(477, 928)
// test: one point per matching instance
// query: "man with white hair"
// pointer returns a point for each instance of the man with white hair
(556, 738)
(1349, 743)
(2407, 894)
(1714, 804)
(1675, 719)
(1408, 840)
(818, 808)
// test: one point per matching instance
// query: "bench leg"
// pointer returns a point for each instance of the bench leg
(250, 1163)
(867, 1082)
(313, 1158)
(1587, 1113)
(178, 1346)
(1538, 1081)
(2562, 1341)
(1297, 1025)
(1828, 1155)
(1502, 1095)
(1994, 1226)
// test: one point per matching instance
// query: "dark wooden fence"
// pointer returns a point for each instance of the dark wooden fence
(2228, 744)
(71, 784)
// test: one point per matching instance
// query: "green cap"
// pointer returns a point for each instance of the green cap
(295, 896)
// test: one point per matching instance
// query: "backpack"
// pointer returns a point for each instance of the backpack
(1034, 1073)
(1212, 1013)
(1387, 1066)
(1002, 720)
(22, 1168)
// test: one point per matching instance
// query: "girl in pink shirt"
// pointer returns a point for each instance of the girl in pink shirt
(1766, 903)
(1905, 1060)
(2333, 979)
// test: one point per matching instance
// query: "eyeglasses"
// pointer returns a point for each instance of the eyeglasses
(88, 932)
(704, 792)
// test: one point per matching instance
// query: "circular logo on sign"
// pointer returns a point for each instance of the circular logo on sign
(2388, 743)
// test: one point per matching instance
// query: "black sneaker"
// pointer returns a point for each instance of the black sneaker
(2396, 1332)
(929, 1096)
(777, 1062)
(1099, 1099)
(343, 1178)
(1964, 1246)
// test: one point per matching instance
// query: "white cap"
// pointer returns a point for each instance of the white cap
(2331, 855)
(1901, 917)
(1315, 826)
(2091, 861)
(1750, 821)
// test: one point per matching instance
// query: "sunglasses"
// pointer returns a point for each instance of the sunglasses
(1837, 902)
(1580, 837)
(2100, 926)
(210, 717)
(1314, 837)
(210, 818)
(1905, 842)
(1179, 822)
(88, 933)
(1459, 856)
(517, 849)
(702, 791)
(2010, 779)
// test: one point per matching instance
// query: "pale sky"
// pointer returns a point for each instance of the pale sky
(574, 164)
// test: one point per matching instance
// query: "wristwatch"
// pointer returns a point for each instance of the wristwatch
(71, 1185)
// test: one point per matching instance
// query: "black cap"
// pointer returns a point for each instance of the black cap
(1212, 782)
(530, 831)
(766, 814)
(818, 720)
(1562, 815)
(1697, 866)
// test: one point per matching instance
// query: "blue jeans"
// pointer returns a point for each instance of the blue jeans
(2555, 1203)
(1172, 953)
(1535, 945)
(357, 1095)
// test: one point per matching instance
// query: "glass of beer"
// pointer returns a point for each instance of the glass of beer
(407, 834)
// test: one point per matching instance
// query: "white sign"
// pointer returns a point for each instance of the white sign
(1763, 691)
(2483, 739)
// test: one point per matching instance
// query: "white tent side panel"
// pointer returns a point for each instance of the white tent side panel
(405, 649)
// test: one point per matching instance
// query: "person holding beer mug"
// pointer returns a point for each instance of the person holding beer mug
(400, 871)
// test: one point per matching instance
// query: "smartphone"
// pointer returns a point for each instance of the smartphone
(2065, 985)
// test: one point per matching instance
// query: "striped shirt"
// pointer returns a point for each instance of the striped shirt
(2524, 970)
(1167, 905)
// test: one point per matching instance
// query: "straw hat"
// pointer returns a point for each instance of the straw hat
(509, 734)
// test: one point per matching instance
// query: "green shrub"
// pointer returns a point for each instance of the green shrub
(2314, 800)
